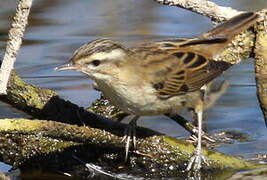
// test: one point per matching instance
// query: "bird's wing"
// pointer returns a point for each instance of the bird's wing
(185, 65)
(189, 73)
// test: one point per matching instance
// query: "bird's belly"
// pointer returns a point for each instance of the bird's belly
(142, 101)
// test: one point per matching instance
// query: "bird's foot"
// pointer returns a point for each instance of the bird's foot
(196, 160)
(129, 136)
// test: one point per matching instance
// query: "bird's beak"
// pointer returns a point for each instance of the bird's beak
(68, 66)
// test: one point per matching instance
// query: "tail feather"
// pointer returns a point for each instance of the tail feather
(233, 26)
(205, 41)
(214, 41)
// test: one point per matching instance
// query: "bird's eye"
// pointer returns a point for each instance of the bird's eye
(96, 62)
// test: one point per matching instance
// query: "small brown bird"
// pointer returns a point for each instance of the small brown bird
(158, 77)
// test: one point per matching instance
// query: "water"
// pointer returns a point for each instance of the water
(57, 28)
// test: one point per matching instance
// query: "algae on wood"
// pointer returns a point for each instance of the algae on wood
(26, 142)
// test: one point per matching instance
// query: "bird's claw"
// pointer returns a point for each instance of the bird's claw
(196, 161)
(129, 136)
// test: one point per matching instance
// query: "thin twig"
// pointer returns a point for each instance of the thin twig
(15, 36)
(206, 8)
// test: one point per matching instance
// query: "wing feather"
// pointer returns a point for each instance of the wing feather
(190, 74)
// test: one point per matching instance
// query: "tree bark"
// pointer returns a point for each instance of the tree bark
(261, 65)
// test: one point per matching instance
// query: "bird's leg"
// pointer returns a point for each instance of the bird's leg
(195, 160)
(206, 91)
(130, 135)
(194, 131)
(189, 127)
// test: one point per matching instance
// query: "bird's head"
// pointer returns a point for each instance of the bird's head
(98, 59)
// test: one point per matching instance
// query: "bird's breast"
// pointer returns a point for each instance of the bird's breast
(139, 99)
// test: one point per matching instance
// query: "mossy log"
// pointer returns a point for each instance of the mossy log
(26, 143)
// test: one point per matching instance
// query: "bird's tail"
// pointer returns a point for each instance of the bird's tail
(214, 41)
(233, 26)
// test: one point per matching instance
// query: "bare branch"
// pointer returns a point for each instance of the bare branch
(15, 36)
(210, 9)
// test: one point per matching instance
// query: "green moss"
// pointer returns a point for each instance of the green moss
(26, 96)
(216, 160)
